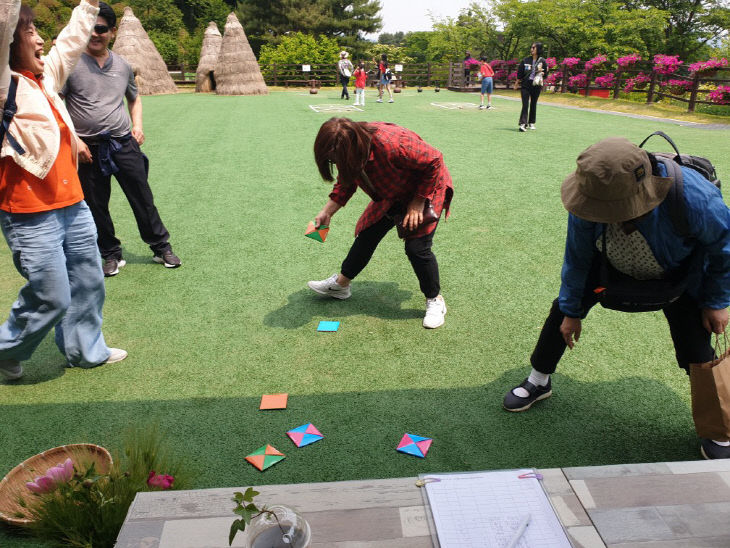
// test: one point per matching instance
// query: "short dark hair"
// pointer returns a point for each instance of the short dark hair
(483, 58)
(344, 143)
(107, 13)
(25, 20)
(538, 47)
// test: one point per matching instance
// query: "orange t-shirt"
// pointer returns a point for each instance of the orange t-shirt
(23, 192)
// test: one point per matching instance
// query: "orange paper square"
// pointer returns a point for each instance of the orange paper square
(274, 401)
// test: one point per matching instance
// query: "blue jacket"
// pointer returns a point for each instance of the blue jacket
(709, 224)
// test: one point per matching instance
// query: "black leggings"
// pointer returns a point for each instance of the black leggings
(529, 100)
(692, 342)
(418, 251)
(344, 80)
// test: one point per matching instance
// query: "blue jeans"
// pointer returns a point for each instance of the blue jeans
(487, 85)
(56, 252)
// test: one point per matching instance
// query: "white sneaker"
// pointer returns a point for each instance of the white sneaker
(330, 288)
(116, 355)
(379, 101)
(391, 101)
(435, 312)
(489, 107)
(11, 369)
(531, 126)
(522, 127)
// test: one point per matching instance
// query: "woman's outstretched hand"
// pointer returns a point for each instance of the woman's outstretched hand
(414, 214)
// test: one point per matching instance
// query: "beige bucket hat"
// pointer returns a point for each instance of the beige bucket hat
(344, 54)
(613, 183)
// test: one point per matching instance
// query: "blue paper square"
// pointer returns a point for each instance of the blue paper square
(328, 326)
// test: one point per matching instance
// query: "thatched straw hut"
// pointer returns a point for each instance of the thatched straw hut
(138, 50)
(205, 75)
(237, 71)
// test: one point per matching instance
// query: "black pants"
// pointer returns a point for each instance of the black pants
(529, 100)
(344, 80)
(692, 343)
(132, 177)
(418, 251)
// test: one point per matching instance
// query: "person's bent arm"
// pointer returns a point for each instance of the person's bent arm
(325, 216)
(9, 11)
(135, 112)
(71, 42)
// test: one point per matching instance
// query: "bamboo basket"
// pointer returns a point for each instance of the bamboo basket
(12, 486)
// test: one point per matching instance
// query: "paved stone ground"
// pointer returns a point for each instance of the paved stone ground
(658, 505)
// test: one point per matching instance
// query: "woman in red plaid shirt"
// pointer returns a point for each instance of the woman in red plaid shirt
(402, 174)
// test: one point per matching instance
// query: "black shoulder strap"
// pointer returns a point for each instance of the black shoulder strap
(8, 113)
(678, 157)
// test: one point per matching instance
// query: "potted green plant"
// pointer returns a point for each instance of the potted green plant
(267, 526)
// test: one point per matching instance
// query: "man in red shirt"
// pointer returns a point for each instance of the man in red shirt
(405, 177)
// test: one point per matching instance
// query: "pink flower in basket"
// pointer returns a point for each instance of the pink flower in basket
(496, 63)
(597, 61)
(720, 96)
(666, 64)
(570, 61)
(709, 65)
(578, 81)
(551, 62)
(606, 81)
(628, 60)
(639, 82)
(162, 481)
(61, 473)
(554, 77)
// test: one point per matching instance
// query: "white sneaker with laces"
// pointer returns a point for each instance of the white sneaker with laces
(116, 355)
(391, 101)
(522, 127)
(11, 369)
(531, 126)
(379, 101)
(435, 312)
(330, 288)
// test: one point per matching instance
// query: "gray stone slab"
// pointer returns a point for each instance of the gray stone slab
(709, 542)
(664, 490)
(143, 534)
(697, 520)
(585, 537)
(695, 466)
(616, 470)
(630, 525)
(368, 524)
(570, 511)
(392, 543)
(554, 482)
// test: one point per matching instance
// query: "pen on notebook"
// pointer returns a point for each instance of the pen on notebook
(520, 531)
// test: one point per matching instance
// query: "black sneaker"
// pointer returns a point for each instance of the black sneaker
(111, 266)
(167, 258)
(536, 393)
(710, 450)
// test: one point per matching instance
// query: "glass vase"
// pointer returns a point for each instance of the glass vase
(278, 527)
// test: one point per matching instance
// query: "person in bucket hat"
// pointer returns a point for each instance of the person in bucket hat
(620, 190)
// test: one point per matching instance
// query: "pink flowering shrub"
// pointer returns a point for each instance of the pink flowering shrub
(709, 65)
(554, 78)
(512, 76)
(720, 96)
(677, 87)
(496, 63)
(637, 82)
(500, 74)
(606, 81)
(578, 81)
(512, 62)
(597, 62)
(666, 64)
(570, 62)
(551, 62)
(628, 60)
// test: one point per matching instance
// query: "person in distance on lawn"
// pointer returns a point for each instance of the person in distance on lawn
(532, 66)
(403, 175)
(45, 221)
(619, 191)
(109, 145)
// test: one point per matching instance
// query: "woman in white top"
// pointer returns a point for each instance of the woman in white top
(344, 69)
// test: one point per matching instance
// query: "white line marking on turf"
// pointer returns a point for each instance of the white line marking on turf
(335, 108)
(456, 106)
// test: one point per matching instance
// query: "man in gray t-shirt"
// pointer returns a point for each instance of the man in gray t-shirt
(94, 95)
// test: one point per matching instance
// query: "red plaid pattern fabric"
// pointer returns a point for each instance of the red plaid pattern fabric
(401, 166)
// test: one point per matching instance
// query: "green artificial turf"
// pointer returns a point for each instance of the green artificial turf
(235, 182)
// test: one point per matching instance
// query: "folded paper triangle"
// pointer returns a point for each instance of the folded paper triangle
(414, 445)
(319, 233)
(304, 434)
(264, 457)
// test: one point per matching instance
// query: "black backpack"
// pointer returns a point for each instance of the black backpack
(621, 292)
(9, 110)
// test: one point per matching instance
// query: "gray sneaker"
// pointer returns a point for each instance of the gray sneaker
(11, 369)
(167, 258)
(330, 288)
(111, 266)
(710, 450)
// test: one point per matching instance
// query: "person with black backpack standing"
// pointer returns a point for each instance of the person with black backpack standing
(530, 76)
(624, 250)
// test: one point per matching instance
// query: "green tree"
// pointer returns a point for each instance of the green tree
(299, 48)
(394, 39)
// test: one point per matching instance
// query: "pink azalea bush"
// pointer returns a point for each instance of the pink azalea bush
(606, 81)
(677, 86)
(512, 62)
(496, 63)
(578, 81)
(570, 62)
(551, 62)
(161, 481)
(54, 476)
(710, 64)
(720, 96)
(501, 74)
(628, 60)
(554, 78)
(596, 62)
(512, 76)
(638, 81)
(471, 62)
(666, 64)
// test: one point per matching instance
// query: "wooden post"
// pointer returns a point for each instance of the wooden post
(428, 75)
(276, 79)
(564, 84)
(650, 93)
(693, 93)
(589, 75)
(617, 85)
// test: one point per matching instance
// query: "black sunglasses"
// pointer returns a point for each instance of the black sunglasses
(101, 29)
